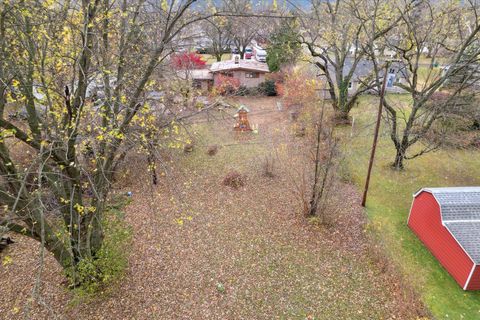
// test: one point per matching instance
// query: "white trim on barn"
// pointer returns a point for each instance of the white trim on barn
(449, 189)
(474, 220)
(469, 277)
(411, 207)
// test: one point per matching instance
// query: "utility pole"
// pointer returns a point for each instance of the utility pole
(375, 136)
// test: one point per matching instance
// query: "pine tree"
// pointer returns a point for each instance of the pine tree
(284, 47)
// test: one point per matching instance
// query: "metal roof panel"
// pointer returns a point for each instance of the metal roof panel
(457, 203)
(467, 235)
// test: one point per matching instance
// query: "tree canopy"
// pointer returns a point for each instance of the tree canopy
(284, 47)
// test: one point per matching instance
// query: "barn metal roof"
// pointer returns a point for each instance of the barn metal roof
(467, 235)
(460, 213)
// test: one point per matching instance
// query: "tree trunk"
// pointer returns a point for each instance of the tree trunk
(342, 117)
(60, 253)
(399, 158)
(312, 211)
(96, 234)
(342, 108)
(315, 194)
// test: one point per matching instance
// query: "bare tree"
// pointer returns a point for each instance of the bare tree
(447, 30)
(337, 35)
(243, 28)
(217, 30)
(324, 159)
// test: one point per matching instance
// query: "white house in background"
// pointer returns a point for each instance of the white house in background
(389, 53)
(352, 50)
(397, 74)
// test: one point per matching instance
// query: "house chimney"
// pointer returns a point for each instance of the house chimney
(237, 59)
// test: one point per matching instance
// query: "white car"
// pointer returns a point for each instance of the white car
(260, 54)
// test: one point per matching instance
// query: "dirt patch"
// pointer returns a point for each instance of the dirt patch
(212, 150)
(234, 180)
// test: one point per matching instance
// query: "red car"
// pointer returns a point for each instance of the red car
(248, 53)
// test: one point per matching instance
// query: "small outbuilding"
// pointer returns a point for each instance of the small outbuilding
(447, 221)
(242, 119)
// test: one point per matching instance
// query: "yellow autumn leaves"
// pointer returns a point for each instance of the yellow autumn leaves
(181, 221)
(78, 207)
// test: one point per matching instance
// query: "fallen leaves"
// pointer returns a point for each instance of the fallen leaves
(201, 251)
(7, 260)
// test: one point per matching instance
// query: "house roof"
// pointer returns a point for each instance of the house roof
(196, 74)
(230, 65)
(460, 214)
(364, 68)
(201, 74)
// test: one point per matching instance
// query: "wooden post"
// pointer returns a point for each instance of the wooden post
(375, 136)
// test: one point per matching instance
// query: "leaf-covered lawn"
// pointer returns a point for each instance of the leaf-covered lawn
(202, 250)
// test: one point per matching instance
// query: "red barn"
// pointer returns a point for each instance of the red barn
(447, 220)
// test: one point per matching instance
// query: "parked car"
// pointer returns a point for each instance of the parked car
(201, 50)
(260, 54)
(248, 53)
(235, 50)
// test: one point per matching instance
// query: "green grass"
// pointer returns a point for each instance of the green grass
(389, 201)
(425, 74)
(440, 60)
(210, 58)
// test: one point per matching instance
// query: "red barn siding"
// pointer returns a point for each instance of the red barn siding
(474, 283)
(425, 221)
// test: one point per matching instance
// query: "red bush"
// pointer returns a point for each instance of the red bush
(186, 61)
(226, 84)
